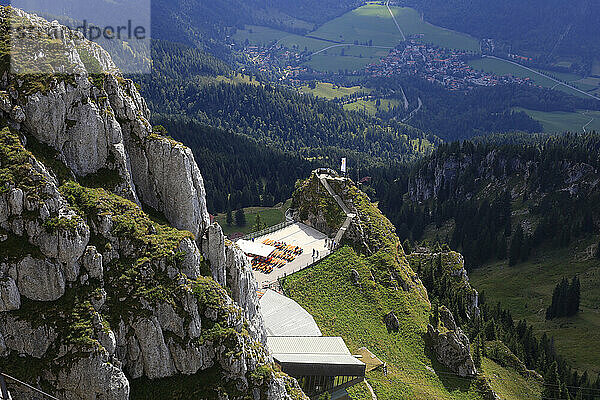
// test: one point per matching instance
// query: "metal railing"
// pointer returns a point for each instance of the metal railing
(4, 395)
(268, 230)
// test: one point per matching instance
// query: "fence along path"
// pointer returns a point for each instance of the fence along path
(349, 215)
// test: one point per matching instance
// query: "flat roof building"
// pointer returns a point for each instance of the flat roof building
(320, 364)
(284, 317)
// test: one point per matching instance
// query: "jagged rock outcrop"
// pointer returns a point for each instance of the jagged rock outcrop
(90, 287)
(102, 128)
(10, 298)
(448, 268)
(391, 322)
(495, 171)
(451, 345)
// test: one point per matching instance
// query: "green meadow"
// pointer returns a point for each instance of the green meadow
(560, 122)
(268, 215)
(411, 23)
(330, 91)
(526, 290)
(370, 106)
(502, 67)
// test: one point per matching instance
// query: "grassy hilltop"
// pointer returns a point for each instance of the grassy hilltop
(356, 310)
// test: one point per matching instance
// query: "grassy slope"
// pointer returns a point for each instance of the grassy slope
(508, 383)
(374, 22)
(370, 106)
(559, 122)
(411, 23)
(343, 309)
(526, 290)
(501, 67)
(329, 91)
(371, 22)
(258, 35)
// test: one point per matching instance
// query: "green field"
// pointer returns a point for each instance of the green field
(270, 216)
(509, 384)
(331, 63)
(526, 290)
(330, 91)
(502, 67)
(349, 58)
(370, 106)
(411, 23)
(369, 22)
(368, 25)
(258, 35)
(560, 122)
(373, 22)
(264, 36)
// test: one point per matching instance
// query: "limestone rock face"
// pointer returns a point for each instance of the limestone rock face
(92, 262)
(40, 280)
(214, 249)
(119, 293)
(10, 299)
(452, 346)
(230, 267)
(103, 380)
(22, 337)
(155, 354)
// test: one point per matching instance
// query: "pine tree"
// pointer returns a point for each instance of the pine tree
(566, 299)
(490, 330)
(564, 392)
(597, 254)
(552, 383)
(482, 346)
(574, 296)
(240, 217)
(229, 217)
(258, 224)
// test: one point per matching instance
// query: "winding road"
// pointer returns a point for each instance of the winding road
(589, 122)
(413, 112)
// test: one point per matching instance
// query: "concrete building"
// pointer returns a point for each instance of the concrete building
(320, 364)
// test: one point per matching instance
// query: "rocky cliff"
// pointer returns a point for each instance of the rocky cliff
(463, 174)
(95, 294)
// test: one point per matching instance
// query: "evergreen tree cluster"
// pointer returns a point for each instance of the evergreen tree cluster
(473, 209)
(237, 171)
(565, 299)
(458, 116)
(186, 81)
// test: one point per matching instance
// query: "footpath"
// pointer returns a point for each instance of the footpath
(349, 215)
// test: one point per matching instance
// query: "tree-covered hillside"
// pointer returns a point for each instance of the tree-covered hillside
(484, 110)
(204, 90)
(371, 280)
(501, 201)
(206, 24)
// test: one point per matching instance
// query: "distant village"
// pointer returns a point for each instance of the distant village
(447, 67)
